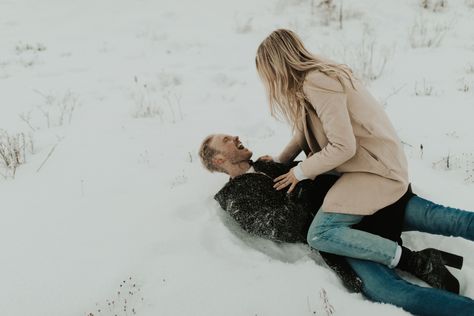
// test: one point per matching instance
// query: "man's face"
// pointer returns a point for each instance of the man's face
(230, 148)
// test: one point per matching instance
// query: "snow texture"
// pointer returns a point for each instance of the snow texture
(109, 101)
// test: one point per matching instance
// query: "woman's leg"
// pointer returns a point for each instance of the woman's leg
(425, 216)
(381, 284)
(331, 232)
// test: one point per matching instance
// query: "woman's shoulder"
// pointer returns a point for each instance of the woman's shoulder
(317, 80)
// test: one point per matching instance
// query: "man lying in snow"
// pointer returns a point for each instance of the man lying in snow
(250, 198)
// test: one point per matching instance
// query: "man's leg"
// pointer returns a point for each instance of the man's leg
(331, 232)
(425, 216)
(381, 284)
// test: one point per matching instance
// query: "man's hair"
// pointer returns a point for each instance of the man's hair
(206, 153)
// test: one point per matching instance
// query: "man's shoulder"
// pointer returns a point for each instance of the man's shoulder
(273, 169)
(244, 186)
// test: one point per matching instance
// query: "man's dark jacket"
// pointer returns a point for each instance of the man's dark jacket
(268, 213)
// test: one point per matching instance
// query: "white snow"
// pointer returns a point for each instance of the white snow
(115, 197)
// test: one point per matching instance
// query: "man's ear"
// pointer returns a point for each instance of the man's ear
(218, 159)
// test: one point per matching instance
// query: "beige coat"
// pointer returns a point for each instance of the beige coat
(349, 132)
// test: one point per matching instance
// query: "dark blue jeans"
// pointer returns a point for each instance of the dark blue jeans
(382, 284)
(425, 216)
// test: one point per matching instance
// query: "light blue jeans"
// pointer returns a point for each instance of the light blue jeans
(331, 232)
(382, 284)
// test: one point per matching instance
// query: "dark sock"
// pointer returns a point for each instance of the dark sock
(406, 259)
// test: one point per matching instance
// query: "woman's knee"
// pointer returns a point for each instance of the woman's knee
(322, 237)
(325, 227)
(314, 237)
(319, 231)
(318, 226)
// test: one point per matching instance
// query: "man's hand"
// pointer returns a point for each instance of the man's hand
(266, 158)
(287, 179)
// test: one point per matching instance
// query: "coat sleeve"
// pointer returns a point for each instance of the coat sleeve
(328, 98)
(296, 145)
(292, 150)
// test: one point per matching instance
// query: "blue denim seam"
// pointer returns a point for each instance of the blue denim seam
(358, 248)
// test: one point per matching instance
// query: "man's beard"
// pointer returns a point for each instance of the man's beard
(240, 157)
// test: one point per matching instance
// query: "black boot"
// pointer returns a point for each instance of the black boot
(449, 259)
(428, 265)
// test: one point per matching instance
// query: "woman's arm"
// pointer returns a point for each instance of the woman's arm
(329, 100)
(292, 150)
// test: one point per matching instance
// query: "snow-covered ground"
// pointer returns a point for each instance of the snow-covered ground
(112, 207)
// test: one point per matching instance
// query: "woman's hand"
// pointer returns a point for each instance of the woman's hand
(266, 158)
(287, 179)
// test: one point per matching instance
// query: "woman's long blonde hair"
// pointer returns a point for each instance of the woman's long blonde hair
(282, 63)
